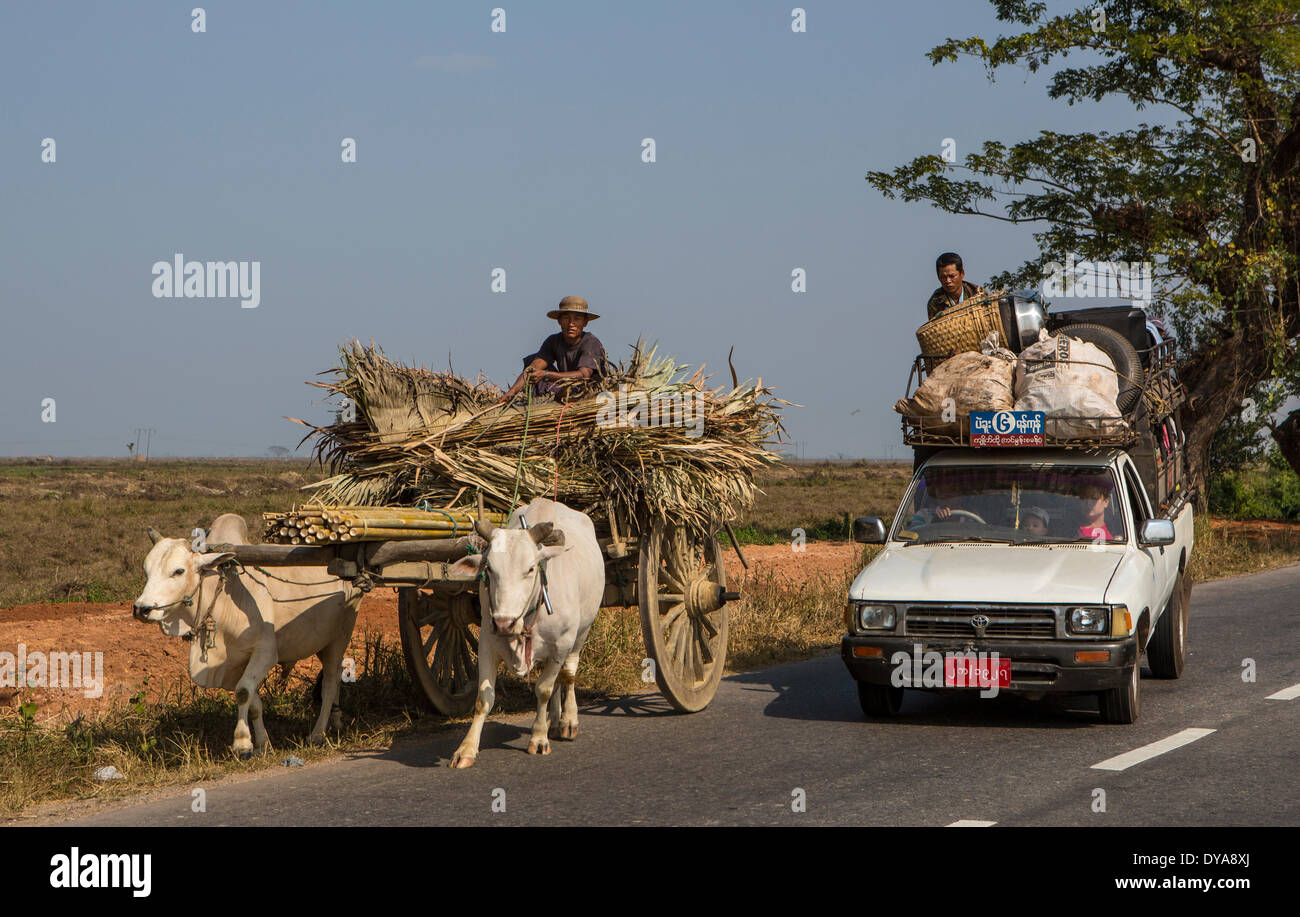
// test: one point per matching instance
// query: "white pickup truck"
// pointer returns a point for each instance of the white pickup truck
(1058, 569)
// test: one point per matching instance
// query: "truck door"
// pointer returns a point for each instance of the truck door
(1140, 512)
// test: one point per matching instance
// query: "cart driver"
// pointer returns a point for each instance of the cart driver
(953, 288)
(571, 355)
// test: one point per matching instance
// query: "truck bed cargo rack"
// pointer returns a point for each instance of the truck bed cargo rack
(1109, 431)
(1151, 433)
(1162, 396)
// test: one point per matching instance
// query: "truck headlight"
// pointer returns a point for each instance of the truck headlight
(874, 617)
(1090, 619)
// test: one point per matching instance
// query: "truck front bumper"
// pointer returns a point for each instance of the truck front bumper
(1036, 666)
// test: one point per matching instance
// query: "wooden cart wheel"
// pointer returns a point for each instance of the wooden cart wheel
(683, 615)
(440, 643)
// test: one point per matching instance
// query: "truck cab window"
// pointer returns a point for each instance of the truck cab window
(1137, 501)
(1016, 504)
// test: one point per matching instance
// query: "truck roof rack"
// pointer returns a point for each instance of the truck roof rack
(1162, 396)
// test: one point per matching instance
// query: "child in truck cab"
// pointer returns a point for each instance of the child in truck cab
(1035, 521)
(1094, 501)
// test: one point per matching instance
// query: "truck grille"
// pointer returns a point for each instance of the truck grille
(1015, 623)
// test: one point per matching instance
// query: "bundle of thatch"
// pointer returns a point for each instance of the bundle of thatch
(422, 438)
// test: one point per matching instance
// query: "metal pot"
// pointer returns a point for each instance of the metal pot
(1024, 314)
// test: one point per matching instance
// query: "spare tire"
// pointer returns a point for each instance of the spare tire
(1122, 353)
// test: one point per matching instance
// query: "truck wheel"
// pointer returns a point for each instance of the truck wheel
(1167, 651)
(880, 700)
(1123, 354)
(1120, 705)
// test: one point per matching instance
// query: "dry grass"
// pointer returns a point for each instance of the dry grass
(421, 436)
(1218, 554)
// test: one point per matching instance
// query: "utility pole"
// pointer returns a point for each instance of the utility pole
(148, 441)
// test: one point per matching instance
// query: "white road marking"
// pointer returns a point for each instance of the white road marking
(1147, 752)
(1290, 693)
(971, 823)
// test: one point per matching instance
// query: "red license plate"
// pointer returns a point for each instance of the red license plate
(976, 672)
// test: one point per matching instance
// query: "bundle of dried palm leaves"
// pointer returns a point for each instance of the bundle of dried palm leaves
(636, 448)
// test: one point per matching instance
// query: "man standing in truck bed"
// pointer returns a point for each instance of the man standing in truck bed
(953, 288)
(571, 356)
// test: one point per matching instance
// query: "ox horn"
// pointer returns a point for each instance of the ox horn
(154, 535)
(481, 525)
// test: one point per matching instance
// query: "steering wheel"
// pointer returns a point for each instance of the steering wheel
(967, 513)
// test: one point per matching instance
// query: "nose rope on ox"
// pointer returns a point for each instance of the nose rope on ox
(203, 625)
(539, 597)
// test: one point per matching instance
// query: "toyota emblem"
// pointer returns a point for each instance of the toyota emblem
(979, 622)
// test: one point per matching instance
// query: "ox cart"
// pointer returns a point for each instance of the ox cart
(658, 460)
(676, 578)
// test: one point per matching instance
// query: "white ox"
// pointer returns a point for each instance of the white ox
(517, 626)
(241, 624)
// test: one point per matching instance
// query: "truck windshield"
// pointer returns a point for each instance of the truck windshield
(1016, 504)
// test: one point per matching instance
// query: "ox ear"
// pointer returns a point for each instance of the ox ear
(545, 533)
(468, 565)
(554, 550)
(214, 559)
(174, 627)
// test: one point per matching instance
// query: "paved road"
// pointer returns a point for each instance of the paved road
(773, 733)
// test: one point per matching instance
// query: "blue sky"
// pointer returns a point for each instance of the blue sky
(477, 150)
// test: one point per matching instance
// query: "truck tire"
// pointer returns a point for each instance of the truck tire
(1121, 705)
(880, 700)
(1122, 353)
(1167, 651)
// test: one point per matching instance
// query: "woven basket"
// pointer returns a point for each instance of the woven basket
(960, 329)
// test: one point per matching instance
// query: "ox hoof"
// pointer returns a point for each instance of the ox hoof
(460, 760)
(316, 738)
(569, 733)
(539, 747)
(243, 753)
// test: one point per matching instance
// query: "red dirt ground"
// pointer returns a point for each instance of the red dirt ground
(133, 651)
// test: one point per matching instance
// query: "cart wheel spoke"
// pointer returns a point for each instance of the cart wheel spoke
(673, 614)
(439, 665)
(698, 646)
(706, 651)
(677, 640)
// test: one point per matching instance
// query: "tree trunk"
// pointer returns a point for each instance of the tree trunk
(1287, 436)
(1217, 380)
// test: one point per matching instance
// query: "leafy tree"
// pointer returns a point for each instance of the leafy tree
(1210, 196)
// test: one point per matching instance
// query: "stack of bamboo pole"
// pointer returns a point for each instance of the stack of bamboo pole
(334, 524)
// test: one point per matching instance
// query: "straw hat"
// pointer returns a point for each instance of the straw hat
(575, 304)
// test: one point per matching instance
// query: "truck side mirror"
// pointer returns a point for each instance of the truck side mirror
(1156, 533)
(871, 530)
